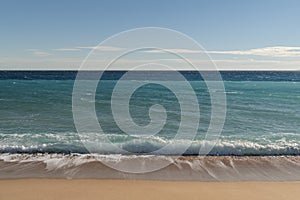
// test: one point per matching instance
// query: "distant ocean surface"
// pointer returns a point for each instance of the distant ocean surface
(263, 113)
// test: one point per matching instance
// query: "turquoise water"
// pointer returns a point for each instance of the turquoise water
(263, 117)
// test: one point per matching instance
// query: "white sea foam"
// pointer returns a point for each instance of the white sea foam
(273, 144)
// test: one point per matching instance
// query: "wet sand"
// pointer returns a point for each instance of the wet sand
(185, 168)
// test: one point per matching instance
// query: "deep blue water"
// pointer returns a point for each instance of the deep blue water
(293, 76)
(263, 113)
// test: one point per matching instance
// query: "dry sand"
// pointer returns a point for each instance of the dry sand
(43, 189)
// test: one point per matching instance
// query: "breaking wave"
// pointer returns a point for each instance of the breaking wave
(284, 144)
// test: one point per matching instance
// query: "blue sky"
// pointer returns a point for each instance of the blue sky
(256, 34)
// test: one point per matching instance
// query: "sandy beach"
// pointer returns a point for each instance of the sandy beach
(136, 189)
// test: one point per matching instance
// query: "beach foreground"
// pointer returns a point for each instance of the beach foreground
(138, 189)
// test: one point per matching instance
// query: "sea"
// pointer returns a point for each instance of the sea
(260, 139)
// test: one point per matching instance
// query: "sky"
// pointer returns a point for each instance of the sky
(237, 34)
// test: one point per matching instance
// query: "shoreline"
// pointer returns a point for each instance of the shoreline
(90, 189)
(184, 168)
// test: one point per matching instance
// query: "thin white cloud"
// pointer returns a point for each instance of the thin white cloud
(276, 51)
(174, 51)
(272, 58)
(66, 49)
(98, 48)
(102, 48)
(39, 53)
